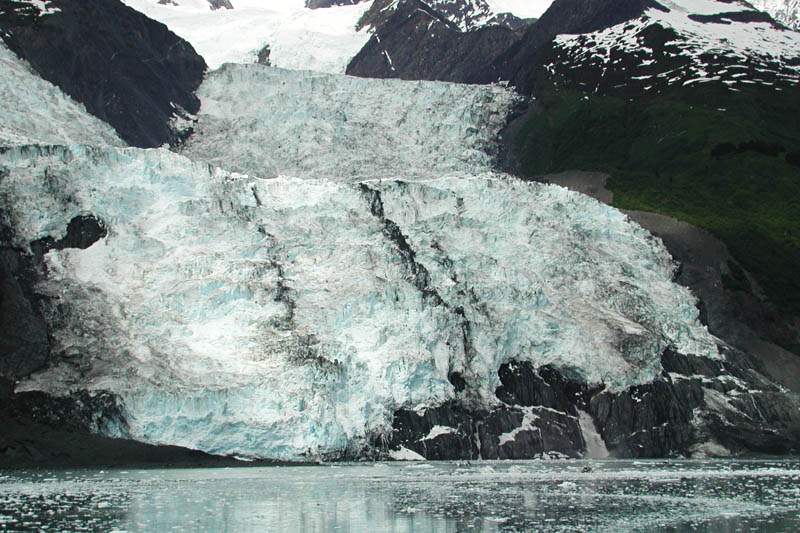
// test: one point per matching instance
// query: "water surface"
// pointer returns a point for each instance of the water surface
(610, 495)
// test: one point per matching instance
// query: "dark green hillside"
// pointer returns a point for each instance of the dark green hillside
(723, 160)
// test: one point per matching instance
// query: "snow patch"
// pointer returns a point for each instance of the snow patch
(526, 425)
(437, 431)
(44, 7)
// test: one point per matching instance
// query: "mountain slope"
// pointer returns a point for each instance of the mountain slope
(413, 41)
(124, 68)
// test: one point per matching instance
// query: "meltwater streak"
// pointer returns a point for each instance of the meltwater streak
(595, 447)
(602, 496)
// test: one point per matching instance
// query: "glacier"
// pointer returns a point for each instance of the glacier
(338, 256)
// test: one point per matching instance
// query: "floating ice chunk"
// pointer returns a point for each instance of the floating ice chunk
(404, 454)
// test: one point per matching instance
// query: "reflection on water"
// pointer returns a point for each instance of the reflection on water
(678, 496)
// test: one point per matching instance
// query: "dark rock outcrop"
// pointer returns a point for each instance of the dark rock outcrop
(454, 440)
(536, 414)
(736, 16)
(127, 69)
(82, 232)
(521, 384)
(24, 343)
(729, 403)
(699, 406)
(456, 431)
(414, 41)
(263, 55)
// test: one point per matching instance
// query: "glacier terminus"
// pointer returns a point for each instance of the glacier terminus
(326, 267)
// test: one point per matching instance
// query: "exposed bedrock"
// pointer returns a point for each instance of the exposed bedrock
(219, 4)
(699, 407)
(24, 339)
(127, 69)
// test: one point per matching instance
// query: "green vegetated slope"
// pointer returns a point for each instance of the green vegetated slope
(723, 160)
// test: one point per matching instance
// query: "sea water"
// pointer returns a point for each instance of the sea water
(603, 495)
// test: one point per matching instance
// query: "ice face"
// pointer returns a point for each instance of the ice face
(287, 317)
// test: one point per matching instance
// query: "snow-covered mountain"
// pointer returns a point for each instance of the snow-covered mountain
(699, 36)
(469, 15)
(298, 37)
(318, 36)
(785, 11)
(682, 42)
